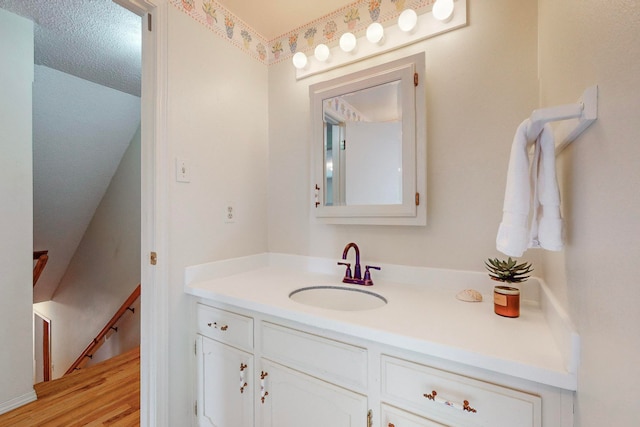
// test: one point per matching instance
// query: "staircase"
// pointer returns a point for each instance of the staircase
(97, 342)
(106, 394)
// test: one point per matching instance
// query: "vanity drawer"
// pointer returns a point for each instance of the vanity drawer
(225, 326)
(405, 384)
(333, 361)
(394, 417)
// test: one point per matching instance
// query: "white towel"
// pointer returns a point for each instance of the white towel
(546, 224)
(516, 233)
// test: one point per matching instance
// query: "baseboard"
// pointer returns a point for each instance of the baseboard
(16, 402)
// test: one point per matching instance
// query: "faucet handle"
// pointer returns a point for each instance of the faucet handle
(347, 273)
(367, 274)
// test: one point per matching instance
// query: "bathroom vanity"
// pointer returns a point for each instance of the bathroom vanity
(422, 359)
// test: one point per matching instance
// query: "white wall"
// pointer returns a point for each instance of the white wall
(481, 82)
(80, 133)
(16, 210)
(584, 43)
(103, 272)
(217, 120)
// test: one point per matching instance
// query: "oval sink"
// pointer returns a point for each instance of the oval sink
(338, 298)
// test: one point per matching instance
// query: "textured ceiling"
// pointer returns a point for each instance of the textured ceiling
(96, 40)
(100, 41)
(272, 18)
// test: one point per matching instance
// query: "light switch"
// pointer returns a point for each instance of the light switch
(182, 170)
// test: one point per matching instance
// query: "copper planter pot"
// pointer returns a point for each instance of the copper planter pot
(506, 301)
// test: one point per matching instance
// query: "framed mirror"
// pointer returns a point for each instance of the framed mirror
(369, 146)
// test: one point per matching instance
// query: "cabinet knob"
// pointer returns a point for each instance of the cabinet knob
(215, 326)
(391, 425)
(464, 407)
(243, 383)
(263, 386)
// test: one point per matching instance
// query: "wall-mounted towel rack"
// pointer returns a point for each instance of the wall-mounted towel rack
(577, 117)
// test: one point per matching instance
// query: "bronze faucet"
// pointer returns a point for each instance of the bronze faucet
(356, 278)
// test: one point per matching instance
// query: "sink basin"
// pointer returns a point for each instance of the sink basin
(338, 298)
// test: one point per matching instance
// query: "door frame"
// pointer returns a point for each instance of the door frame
(154, 322)
(46, 345)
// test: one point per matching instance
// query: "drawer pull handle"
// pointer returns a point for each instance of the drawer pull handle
(215, 326)
(243, 383)
(464, 407)
(263, 387)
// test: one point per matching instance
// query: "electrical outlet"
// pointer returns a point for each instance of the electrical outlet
(182, 170)
(229, 213)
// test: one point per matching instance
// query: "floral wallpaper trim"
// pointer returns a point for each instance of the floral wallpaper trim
(226, 25)
(354, 17)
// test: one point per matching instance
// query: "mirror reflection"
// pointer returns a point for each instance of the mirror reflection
(363, 146)
(368, 145)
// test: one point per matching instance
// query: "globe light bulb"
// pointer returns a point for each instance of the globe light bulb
(407, 20)
(375, 33)
(299, 60)
(443, 10)
(322, 52)
(348, 42)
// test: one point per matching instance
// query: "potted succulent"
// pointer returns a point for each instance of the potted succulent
(506, 299)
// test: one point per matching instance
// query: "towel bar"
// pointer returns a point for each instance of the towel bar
(577, 117)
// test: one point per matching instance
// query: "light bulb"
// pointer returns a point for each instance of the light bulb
(443, 10)
(300, 60)
(407, 20)
(348, 42)
(322, 52)
(375, 32)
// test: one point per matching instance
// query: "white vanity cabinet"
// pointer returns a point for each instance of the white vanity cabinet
(394, 417)
(260, 370)
(225, 392)
(454, 399)
(311, 381)
(225, 372)
(294, 399)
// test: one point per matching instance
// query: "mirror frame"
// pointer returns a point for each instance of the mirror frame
(414, 142)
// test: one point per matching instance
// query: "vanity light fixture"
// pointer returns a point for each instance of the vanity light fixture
(299, 60)
(375, 33)
(409, 28)
(322, 52)
(348, 42)
(443, 10)
(407, 20)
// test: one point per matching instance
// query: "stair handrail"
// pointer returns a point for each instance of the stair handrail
(98, 340)
(42, 257)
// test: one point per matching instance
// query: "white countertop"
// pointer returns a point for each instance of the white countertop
(418, 317)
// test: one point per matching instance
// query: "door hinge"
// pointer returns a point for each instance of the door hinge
(153, 258)
(369, 418)
(417, 199)
(195, 409)
(195, 347)
(415, 79)
(149, 22)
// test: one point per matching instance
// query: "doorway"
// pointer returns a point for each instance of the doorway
(41, 348)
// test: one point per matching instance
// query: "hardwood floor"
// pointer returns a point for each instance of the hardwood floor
(107, 394)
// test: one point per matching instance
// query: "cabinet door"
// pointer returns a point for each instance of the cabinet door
(292, 399)
(225, 386)
(394, 417)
